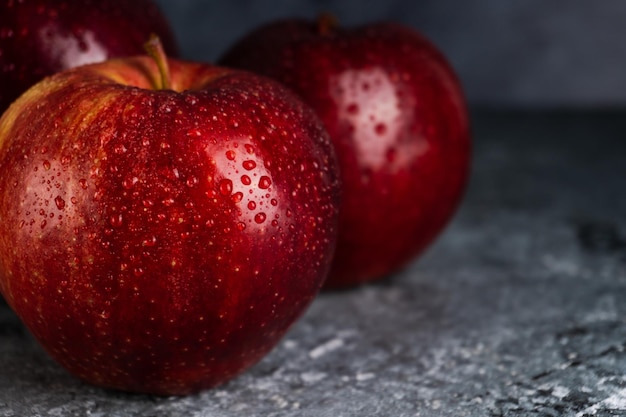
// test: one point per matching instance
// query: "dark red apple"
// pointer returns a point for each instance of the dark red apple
(41, 37)
(163, 240)
(396, 114)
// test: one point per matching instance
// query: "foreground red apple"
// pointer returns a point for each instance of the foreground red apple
(41, 37)
(396, 114)
(162, 241)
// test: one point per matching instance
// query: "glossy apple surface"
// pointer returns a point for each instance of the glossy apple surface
(163, 241)
(41, 37)
(396, 114)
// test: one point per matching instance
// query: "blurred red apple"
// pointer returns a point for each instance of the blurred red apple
(163, 241)
(41, 37)
(396, 114)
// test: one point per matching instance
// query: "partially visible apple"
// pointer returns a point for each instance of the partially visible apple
(163, 240)
(41, 37)
(397, 117)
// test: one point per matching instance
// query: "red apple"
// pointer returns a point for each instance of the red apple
(41, 37)
(396, 115)
(163, 241)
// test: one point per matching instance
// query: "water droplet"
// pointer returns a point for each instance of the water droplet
(116, 220)
(380, 129)
(83, 183)
(237, 197)
(274, 222)
(46, 164)
(128, 183)
(6, 33)
(138, 271)
(241, 226)
(230, 155)
(192, 181)
(251, 205)
(249, 165)
(151, 241)
(274, 202)
(245, 180)
(60, 203)
(226, 186)
(74, 200)
(352, 108)
(147, 203)
(43, 224)
(265, 182)
(249, 148)
(260, 217)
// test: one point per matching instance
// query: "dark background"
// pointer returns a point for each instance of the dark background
(529, 53)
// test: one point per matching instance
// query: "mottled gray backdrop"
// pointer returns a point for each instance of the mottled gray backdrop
(548, 53)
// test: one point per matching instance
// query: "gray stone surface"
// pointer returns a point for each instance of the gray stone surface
(517, 310)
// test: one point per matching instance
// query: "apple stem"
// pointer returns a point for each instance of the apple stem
(154, 48)
(326, 23)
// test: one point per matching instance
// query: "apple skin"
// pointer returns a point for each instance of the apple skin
(162, 241)
(41, 37)
(396, 114)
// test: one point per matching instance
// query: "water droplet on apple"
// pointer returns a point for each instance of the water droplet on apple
(192, 181)
(380, 129)
(59, 202)
(249, 165)
(352, 108)
(226, 186)
(194, 133)
(230, 155)
(116, 220)
(6, 33)
(260, 217)
(245, 180)
(249, 148)
(265, 182)
(43, 224)
(128, 183)
(237, 197)
(241, 226)
(150, 241)
(274, 202)
(83, 183)
(46, 164)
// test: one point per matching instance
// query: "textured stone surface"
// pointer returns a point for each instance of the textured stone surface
(518, 310)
